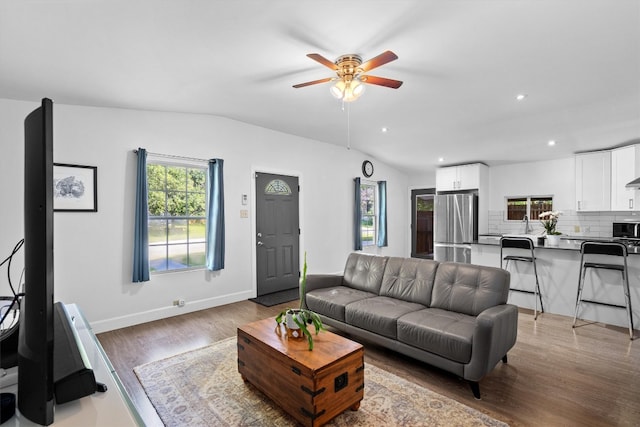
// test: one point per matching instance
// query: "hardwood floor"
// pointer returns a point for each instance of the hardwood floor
(556, 376)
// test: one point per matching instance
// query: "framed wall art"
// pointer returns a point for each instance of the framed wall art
(75, 188)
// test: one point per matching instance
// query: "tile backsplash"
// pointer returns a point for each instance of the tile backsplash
(572, 223)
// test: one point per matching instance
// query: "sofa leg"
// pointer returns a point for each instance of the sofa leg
(504, 359)
(475, 388)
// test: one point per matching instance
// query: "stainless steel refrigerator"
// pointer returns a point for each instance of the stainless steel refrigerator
(455, 224)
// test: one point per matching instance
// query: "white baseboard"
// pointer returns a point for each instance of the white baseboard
(166, 312)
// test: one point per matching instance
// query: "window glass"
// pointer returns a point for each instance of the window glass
(177, 221)
(368, 209)
(277, 187)
(532, 207)
(516, 208)
(540, 205)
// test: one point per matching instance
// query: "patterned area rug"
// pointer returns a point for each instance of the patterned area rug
(203, 388)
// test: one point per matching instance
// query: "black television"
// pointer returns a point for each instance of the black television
(53, 367)
(36, 334)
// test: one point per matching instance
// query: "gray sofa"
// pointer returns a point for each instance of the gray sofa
(450, 315)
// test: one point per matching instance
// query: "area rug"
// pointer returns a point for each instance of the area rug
(203, 388)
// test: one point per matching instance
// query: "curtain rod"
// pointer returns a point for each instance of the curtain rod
(171, 156)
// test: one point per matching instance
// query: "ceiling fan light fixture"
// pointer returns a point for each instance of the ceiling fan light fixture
(347, 91)
(357, 88)
(337, 90)
(349, 68)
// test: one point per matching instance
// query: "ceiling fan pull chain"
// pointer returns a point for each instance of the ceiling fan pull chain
(349, 127)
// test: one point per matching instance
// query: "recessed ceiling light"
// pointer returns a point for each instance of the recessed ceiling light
(551, 143)
(521, 96)
(441, 159)
(385, 129)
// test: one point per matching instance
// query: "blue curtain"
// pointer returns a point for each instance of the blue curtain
(382, 213)
(140, 228)
(357, 217)
(215, 216)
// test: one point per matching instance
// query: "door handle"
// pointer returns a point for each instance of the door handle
(260, 243)
(259, 234)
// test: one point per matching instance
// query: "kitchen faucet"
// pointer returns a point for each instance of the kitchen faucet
(527, 229)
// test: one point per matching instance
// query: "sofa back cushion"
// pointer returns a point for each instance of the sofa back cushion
(469, 289)
(364, 272)
(409, 279)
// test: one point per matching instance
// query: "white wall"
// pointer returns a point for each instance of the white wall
(543, 178)
(549, 178)
(555, 178)
(423, 180)
(552, 177)
(93, 251)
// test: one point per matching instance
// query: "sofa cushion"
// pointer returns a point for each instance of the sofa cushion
(378, 314)
(469, 289)
(332, 301)
(409, 279)
(364, 272)
(445, 333)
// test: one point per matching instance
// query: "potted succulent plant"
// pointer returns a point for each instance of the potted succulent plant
(297, 321)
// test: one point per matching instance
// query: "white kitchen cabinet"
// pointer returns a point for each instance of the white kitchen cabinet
(473, 176)
(625, 167)
(593, 181)
(446, 178)
(461, 177)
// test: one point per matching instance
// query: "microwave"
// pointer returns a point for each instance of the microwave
(626, 229)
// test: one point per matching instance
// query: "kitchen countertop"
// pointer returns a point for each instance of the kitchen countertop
(558, 276)
(568, 243)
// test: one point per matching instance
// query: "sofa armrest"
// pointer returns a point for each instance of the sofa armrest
(495, 334)
(318, 281)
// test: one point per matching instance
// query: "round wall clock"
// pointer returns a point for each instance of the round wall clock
(367, 168)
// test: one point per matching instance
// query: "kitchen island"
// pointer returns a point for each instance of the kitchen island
(558, 271)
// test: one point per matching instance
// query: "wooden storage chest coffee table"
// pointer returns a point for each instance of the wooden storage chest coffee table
(311, 386)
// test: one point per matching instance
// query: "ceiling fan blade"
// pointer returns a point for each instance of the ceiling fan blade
(379, 60)
(324, 61)
(381, 81)
(315, 82)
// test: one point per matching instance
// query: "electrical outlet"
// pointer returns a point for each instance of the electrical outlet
(179, 303)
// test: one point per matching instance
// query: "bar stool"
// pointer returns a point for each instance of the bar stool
(609, 249)
(524, 247)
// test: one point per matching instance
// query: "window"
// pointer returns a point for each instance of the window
(532, 207)
(369, 214)
(177, 216)
(539, 205)
(277, 187)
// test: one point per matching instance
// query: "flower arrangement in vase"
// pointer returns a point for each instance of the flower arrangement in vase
(298, 320)
(549, 221)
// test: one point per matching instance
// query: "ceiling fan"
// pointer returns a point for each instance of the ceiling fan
(350, 74)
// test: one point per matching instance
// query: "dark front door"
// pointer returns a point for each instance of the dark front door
(422, 223)
(277, 233)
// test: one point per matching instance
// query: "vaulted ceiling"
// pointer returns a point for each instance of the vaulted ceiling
(462, 63)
